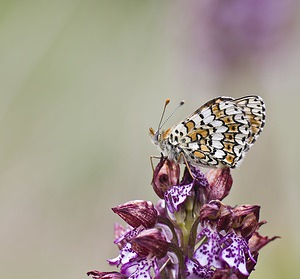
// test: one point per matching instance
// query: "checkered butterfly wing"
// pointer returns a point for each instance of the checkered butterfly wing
(255, 113)
(220, 132)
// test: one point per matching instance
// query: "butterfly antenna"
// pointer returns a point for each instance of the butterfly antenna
(167, 102)
(163, 113)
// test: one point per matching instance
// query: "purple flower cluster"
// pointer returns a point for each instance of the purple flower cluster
(189, 233)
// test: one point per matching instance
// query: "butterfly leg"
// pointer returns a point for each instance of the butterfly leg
(151, 161)
(181, 155)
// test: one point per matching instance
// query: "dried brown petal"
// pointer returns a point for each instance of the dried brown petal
(257, 241)
(137, 213)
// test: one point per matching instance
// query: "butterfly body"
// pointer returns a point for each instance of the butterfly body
(218, 134)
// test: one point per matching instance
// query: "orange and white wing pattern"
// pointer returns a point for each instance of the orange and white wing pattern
(219, 133)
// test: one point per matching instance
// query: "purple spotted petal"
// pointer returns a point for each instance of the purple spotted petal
(140, 268)
(196, 271)
(235, 252)
(209, 251)
(126, 255)
(198, 179)
(129, 234)
(177, 195)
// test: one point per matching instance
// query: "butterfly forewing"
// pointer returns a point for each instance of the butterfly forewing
(220, 132)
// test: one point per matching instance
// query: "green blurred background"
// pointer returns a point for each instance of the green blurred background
(81, 83)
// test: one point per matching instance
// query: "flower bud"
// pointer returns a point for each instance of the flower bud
(220, 182)
(245, 219)
(218, 214)
(225, 219)
(210, 211)
(244, 210)
(150, 242)
(166, 175)
(136, 213)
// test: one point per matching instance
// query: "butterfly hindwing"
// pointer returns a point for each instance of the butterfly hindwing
(254, 109)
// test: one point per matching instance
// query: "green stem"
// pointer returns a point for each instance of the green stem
(186, 225)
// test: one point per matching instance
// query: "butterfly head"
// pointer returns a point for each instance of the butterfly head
(159, 136)
(155, 136)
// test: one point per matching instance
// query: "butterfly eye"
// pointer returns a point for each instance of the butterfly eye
(157, 136)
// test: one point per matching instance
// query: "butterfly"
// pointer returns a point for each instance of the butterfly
(218, 134)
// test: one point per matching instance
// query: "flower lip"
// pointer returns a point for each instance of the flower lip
(193, 184)
(141, 268)
(195, 270)
(235, 252)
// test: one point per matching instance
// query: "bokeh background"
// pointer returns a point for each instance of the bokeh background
(81, 83)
